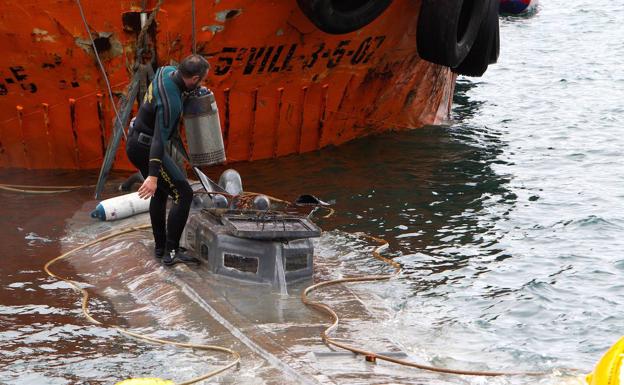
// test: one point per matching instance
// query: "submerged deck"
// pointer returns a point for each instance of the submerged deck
(277, 336)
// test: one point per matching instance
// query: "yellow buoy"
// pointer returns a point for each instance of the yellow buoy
(607, 371)
(146, 381)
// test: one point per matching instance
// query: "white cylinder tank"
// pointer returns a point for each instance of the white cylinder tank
(120, 207)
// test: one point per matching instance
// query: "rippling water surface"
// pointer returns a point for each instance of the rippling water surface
(509, 222)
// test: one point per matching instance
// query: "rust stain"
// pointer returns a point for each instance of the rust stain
(278, 113)
(46, 125)
(252, 123)
(20, 121)
(40, 35)
(322, 115)
(74, 127)
(384, 74)
(304, 92)
(101, 120)
(226, 120)
(344, 97)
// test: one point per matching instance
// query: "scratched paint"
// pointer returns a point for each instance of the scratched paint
(42, 35)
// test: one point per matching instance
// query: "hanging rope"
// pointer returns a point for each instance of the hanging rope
(104, 75)
(148, 23)
(133, 90)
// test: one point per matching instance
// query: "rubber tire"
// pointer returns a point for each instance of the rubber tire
(485, 48)
(496, 47)
(439, 24)
(330, 19)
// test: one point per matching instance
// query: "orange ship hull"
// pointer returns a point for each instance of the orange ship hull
(282, 85)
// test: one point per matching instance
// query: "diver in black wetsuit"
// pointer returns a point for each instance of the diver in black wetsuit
(155, 124)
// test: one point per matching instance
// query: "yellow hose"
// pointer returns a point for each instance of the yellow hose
(85, 311)
(32, 189)
(46, 187)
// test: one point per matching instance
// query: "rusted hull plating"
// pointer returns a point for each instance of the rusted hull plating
(282, 85)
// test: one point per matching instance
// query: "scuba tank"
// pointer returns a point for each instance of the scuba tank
(120, 207)
(203, 129)
(231, 182)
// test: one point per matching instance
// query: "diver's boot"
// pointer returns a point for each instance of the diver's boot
(159, 252)
(178, 256)
(160, 244)
(160, 247)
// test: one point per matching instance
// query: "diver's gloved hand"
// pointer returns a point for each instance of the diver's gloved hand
(172, 257)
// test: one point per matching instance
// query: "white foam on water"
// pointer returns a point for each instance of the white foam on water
(63, 285)
(34, 238)
(16, 285)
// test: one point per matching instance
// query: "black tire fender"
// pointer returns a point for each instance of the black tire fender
(486, 47)
(448, 28)
(342, 16)
(494, 53)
